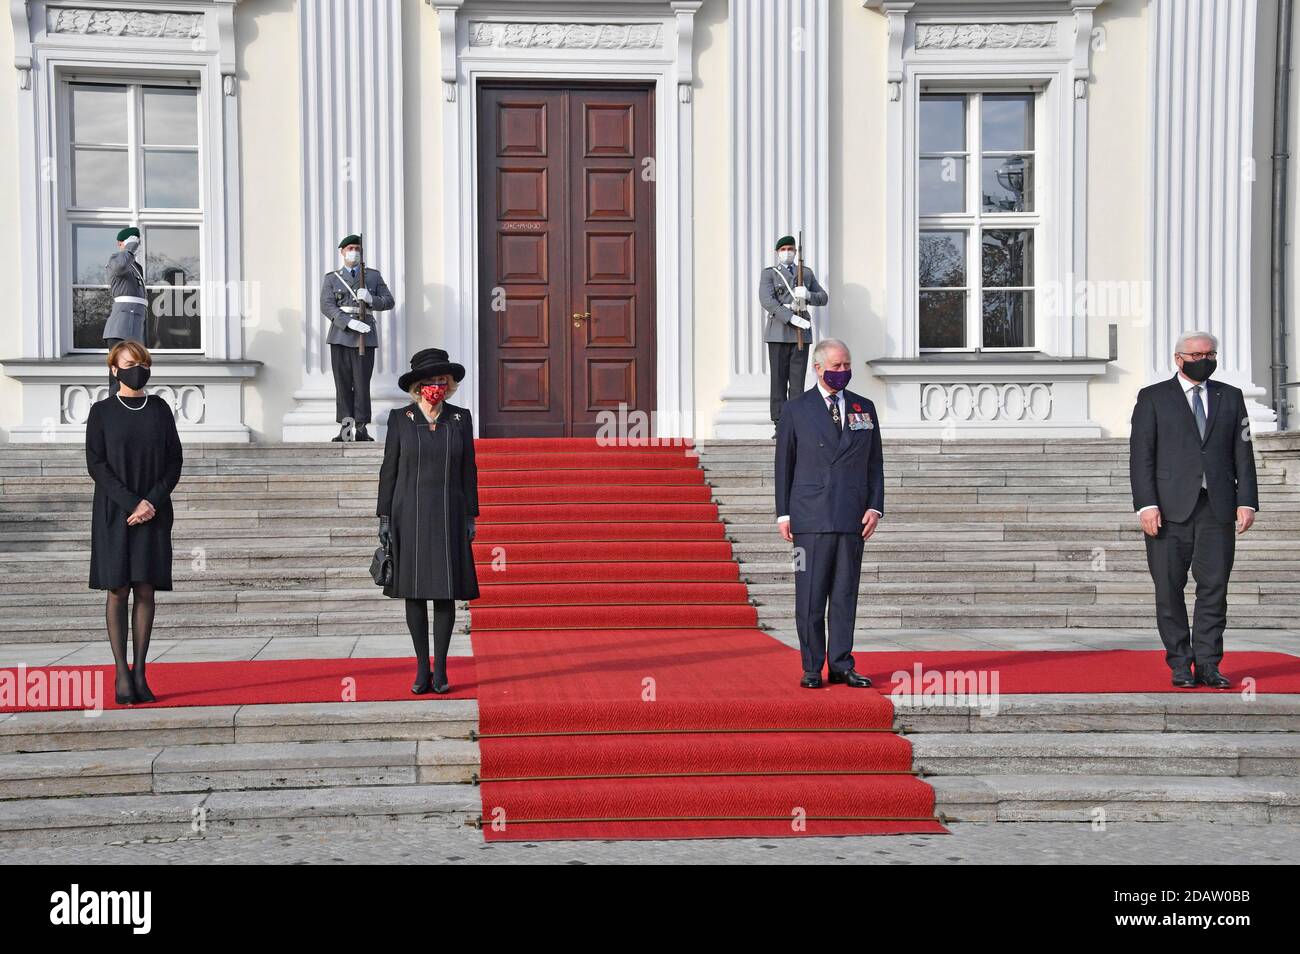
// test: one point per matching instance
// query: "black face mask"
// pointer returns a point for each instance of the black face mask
(134, 378)
(1200, 369)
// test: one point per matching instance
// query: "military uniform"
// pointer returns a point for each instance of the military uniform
(126, 320)
(787, 362)
(352, 369)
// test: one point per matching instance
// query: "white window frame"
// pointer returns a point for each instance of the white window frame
(1056, 66)
(974, 221)
(135, 212)
(43, 60)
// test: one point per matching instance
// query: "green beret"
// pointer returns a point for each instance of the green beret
(785, 240)
(127, 232)
(350, 240)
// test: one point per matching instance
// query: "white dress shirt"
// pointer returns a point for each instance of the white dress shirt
(826, 400)
(1192, 398)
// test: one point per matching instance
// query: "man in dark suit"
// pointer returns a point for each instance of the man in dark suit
(830, 494)
(1192, 468)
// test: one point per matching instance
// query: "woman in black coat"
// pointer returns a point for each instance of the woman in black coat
(134, 455)
(428, 499)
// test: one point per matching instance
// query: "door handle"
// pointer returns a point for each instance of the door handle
(579, 317)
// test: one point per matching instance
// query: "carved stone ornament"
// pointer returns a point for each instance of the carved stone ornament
(132, 23)
(985, 36)
(566, 36)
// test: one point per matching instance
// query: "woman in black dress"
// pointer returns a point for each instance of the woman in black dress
(428, 499)
(134, 455)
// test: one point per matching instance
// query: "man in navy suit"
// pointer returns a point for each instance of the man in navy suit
(830, 494)
(1192, 470)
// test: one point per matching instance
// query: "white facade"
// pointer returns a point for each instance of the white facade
(1145, 140)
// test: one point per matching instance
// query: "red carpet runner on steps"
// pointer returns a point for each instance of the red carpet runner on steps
(624, 688)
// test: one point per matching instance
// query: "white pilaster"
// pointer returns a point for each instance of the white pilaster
(780, 138)
(1202, 62)
(351, 123)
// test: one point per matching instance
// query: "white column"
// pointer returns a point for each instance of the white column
(780, 138)
(352, 154)
(1202, 174)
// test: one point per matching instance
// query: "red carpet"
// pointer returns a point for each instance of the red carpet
(630, 695)
(1043, 671)
(240, 683)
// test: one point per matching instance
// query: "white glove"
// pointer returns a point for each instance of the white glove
(801, 292)
(131, 243)
(360, 327)
(363, 294)
(801, 322)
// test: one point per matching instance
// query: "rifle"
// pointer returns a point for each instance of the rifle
(798, 280)
(360, 304)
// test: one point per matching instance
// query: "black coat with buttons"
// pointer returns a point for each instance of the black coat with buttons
(428, 488)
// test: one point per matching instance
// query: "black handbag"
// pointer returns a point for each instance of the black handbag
(381, 566)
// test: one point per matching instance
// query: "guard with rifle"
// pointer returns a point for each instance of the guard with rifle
(348, 297)
(786, 290)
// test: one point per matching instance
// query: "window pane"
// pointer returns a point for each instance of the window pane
(90, 308)
(1008, 319)
(171, 256)
(100, 179)
(171, 180)
(174, 319)
(1007, 122)
(1007, 184)
(943, 123)
(99, 114)
(171, 117)
(1007, 257)
(943, 185)
(943, 319)
(92, 245)
(942, 259)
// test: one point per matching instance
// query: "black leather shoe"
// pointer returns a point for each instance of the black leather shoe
(422, 686)
(811, 680)
(850, 678)
(142, 692)
(1209, 675)
(441, 688)
(363, 434)
(342, 435)
(1183, 679)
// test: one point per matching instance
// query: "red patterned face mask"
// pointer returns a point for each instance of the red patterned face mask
(433, 393)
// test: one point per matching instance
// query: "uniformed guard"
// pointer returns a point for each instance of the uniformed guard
(126, 320)
(786, 290)
(342, 297)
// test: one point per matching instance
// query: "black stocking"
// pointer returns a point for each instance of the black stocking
(444, 617)
(141, 629)
(115, 615)
(417, 621)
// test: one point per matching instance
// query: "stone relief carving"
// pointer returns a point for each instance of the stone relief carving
(985, 36)
(567, 36)
(132, 23)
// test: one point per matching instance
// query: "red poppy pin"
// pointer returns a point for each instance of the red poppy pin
(857, 407)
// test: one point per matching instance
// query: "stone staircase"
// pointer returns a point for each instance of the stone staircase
(275, 540)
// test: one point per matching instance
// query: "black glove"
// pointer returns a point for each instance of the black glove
(471, 528)
(385, 537)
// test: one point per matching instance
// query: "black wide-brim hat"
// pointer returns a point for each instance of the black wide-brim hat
(430, 363)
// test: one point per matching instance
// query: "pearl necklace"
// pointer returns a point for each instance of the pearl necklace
(129, 407)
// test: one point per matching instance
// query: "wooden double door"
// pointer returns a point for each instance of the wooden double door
(566, 257)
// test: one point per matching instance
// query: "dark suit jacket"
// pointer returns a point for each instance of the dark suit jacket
(827, 480)
(1167, 456)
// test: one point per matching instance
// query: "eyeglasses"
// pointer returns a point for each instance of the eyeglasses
(1198, 355)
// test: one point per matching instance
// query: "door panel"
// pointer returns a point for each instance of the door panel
(566, 254)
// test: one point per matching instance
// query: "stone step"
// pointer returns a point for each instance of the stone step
(1002, 615)
(415, 720)
(1108, 753)
(1113, 798)
(236, 766)
(66, 627)
(57, 821)
(1045, 571)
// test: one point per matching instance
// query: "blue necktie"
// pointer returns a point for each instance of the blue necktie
(1199, 411)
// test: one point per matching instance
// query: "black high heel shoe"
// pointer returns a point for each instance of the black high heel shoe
(423, 686)
(143, 693)
(441, 688)
(128, 699)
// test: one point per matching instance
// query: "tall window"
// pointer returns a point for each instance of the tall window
(977, 216)
(131, 155)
